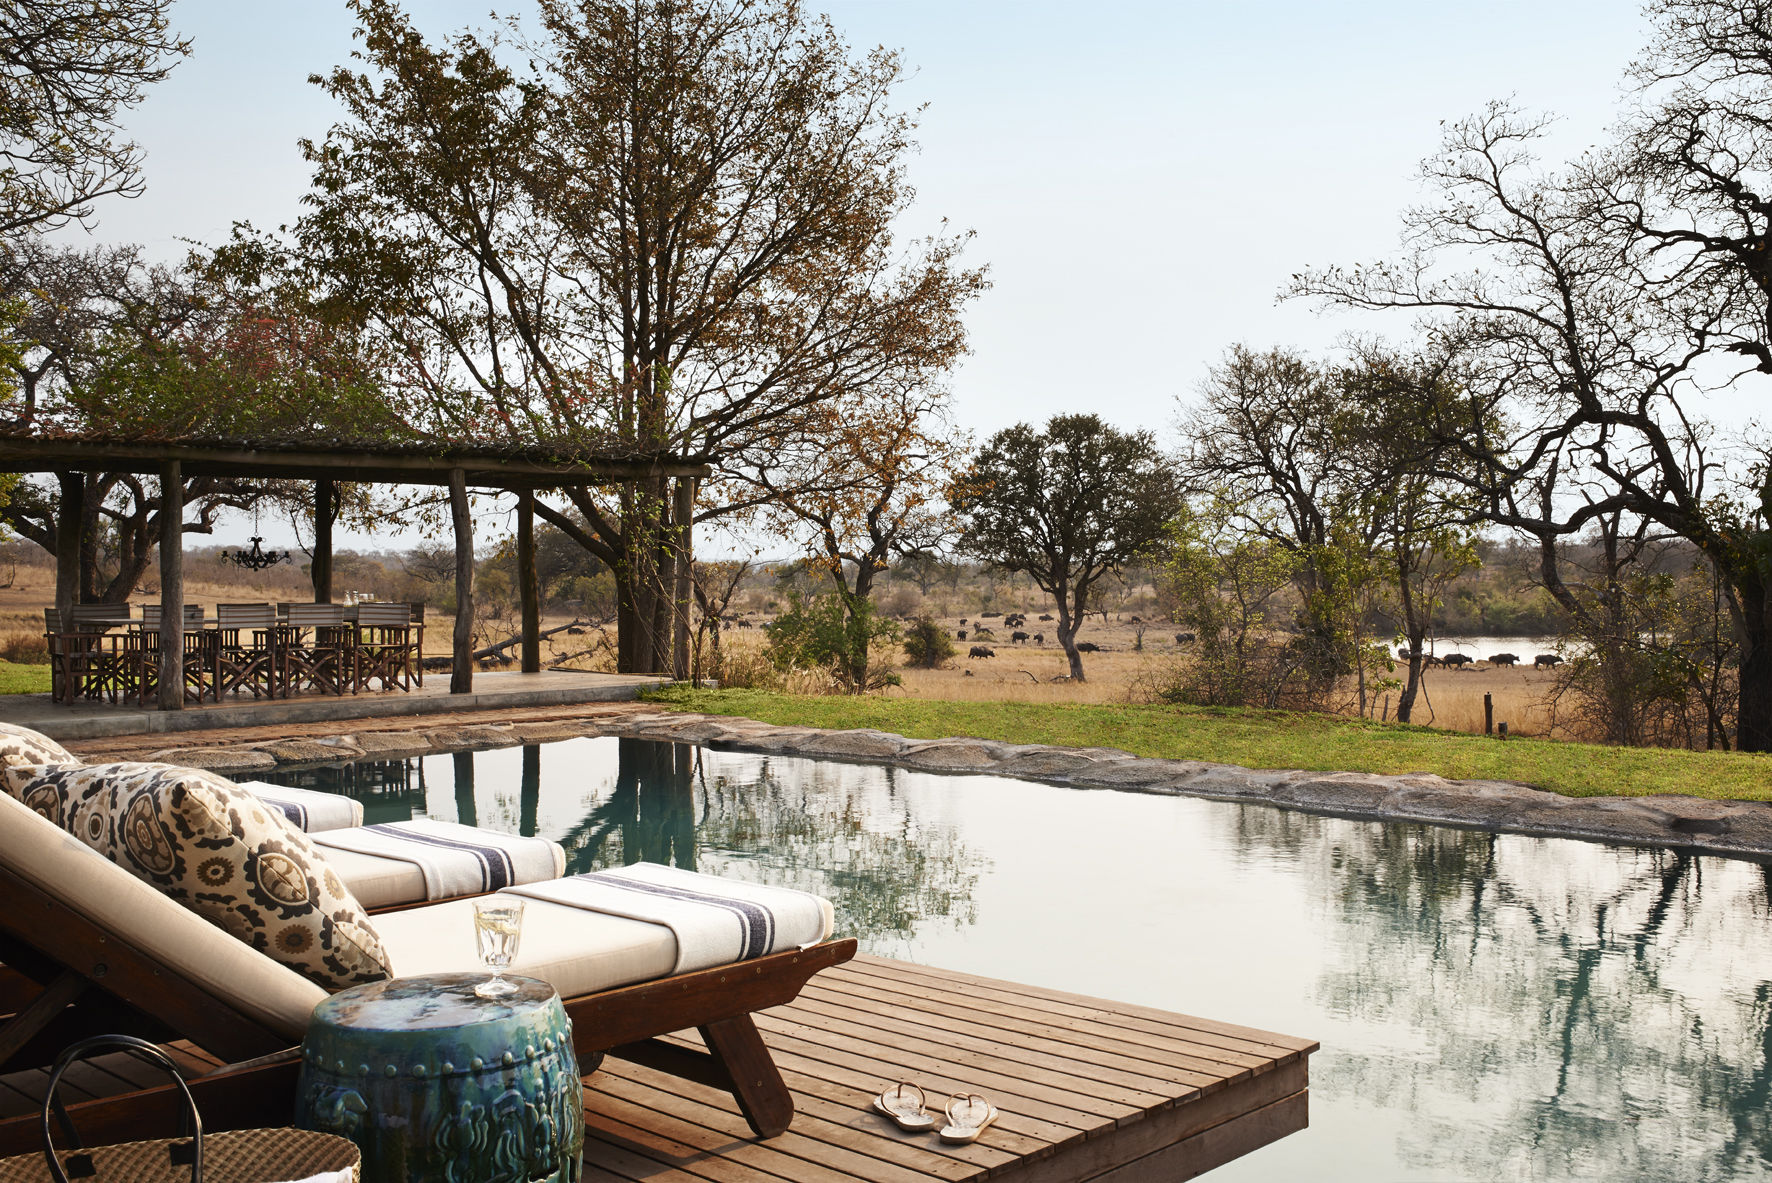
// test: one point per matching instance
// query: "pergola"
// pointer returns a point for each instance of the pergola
(519, 470)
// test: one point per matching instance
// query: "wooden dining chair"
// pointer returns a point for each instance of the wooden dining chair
(248, 656)
(384, 645)
(320, 648)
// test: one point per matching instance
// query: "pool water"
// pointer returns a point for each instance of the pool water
(1490, 1006)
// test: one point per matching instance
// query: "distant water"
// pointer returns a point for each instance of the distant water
(1491, 1006)
(1482, 648)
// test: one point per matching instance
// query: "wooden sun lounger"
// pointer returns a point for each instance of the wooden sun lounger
(70, 977)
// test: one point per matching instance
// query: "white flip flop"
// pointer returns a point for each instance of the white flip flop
(906, 1111)
(968, 1115)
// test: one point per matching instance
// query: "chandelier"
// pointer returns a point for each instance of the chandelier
(256, 559)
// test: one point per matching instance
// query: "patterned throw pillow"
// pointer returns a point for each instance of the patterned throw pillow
(219, 851)
(20, 746)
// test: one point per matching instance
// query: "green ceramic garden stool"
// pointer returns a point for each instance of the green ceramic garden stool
(435, 1084)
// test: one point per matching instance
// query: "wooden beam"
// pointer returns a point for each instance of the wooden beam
(461, 676)
(30, 454)
(325, 509)
(526, 582)
(50, 1002)
(172, 587)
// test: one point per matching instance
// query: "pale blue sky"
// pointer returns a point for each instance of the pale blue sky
(1142, 177)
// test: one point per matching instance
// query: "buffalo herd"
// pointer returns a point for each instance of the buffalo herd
(1499, 660)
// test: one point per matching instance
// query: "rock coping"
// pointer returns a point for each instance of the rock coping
(1741, 829)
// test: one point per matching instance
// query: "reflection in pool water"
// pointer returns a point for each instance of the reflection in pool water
(1490, 1006)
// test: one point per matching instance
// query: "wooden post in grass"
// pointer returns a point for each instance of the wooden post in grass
(1501, 730)
(1488, 715)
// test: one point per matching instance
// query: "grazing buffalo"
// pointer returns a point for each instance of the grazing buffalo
(983, 634)
(1547, 660)
(1430, 659)
(1018, 636)
(1046, 616)
(1456, 660)
(1505, 659)
(959, 634)
(982, 651)
(1039, 638)
(1184, 638)
(1088, 647)
(962, 622)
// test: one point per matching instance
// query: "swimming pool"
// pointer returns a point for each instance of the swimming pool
(1490, 1006)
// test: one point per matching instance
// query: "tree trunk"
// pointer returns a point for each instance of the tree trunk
(461, 674)
(1753, 718)
(1069, 621)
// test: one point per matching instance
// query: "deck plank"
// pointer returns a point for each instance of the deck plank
(1088, 1089)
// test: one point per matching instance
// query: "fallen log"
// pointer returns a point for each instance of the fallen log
(497, 652)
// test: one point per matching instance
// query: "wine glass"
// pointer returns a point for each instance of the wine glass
(498, 925)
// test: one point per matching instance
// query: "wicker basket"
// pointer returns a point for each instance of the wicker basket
(236, 1156)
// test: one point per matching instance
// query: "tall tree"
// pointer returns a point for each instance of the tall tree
(1422, 527)
(68, 68)
(1065, 505)
(1264, 433)
(1577, 382)
(862, 484)
(672, 233)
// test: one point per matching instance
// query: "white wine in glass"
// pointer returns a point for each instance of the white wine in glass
(498, 926)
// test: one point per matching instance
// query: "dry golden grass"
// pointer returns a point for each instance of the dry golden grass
(1123, 673)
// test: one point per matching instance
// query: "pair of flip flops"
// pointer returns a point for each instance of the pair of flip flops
(968, 1113)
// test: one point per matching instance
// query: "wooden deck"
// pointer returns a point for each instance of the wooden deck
(1088, 1089)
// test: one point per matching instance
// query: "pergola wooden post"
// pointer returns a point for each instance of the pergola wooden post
(681, 593)
(526, 582)
(172, 587)
(70, 524)
(461, 675)
(325, 508)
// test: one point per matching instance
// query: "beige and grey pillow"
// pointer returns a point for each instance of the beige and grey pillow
(21, 747)
(218, 850)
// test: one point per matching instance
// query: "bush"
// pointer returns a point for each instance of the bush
(822, 632)
(927, 644)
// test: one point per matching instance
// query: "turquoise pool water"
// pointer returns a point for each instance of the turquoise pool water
(1490, 1006)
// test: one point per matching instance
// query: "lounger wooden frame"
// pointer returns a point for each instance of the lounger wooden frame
(87, 979)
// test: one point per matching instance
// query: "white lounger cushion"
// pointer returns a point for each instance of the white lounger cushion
(575, 951)
(378, 882)
(308, 809)
(94, 887)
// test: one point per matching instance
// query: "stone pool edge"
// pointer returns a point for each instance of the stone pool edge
(1740, 829)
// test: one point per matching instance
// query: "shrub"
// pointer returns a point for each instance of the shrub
(927, 644)
(824, 632)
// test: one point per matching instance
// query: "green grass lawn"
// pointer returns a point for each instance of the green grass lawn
(1268, 739)
(23, 679)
